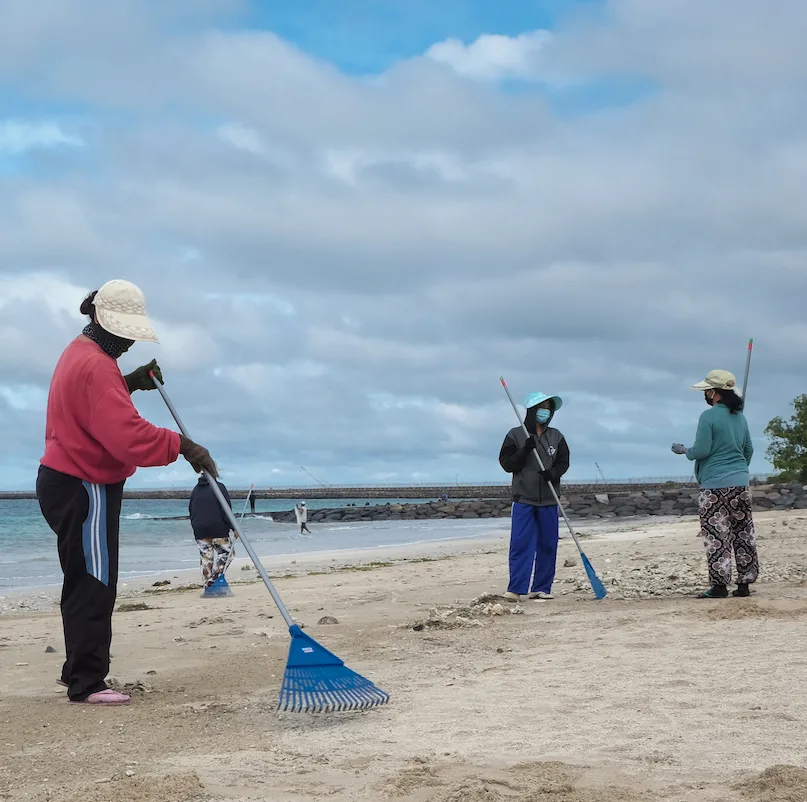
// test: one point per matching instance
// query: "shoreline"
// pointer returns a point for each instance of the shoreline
(40, 598)
(134, 586)
(635, 509)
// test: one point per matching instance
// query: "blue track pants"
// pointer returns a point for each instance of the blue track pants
(533, 548)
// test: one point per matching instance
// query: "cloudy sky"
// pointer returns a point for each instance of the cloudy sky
(350, 217)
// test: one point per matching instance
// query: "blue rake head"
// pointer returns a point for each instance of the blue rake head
(219, 589)
(596, 584)
(317, 681)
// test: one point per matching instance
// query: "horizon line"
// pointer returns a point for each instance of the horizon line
(637, 480)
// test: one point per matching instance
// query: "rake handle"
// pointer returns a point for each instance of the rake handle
(246, 502)
(541, 466)
(747, 369)
(234, 525)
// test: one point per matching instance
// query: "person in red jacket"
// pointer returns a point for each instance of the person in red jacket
(94, 441)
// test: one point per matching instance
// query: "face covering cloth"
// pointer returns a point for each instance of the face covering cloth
(111, 345)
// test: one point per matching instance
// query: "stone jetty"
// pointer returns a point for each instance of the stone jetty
(580, 506)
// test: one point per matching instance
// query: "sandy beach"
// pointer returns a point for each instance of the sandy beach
(648, 695)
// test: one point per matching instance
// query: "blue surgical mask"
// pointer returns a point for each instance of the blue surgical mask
(543, 415)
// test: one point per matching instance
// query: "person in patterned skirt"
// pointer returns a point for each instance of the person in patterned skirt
(722, 453)
(211, 528)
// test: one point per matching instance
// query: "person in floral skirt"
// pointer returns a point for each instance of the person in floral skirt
(722, 453)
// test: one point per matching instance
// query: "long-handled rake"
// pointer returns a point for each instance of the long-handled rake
(315, 679)
(747, 369)
(596, 584)
(246, 503)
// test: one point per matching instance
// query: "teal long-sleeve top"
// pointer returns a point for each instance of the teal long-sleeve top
(722, 450)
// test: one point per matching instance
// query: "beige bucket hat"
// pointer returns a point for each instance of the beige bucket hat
(120, 308)
(717, 380)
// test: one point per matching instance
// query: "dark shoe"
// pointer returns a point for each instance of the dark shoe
(715, 592)
(742, 590)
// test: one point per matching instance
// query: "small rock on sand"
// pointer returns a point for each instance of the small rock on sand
(327, 619)
(569, 563)
(50, 650)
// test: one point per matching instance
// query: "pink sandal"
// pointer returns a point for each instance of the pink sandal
(107, 697)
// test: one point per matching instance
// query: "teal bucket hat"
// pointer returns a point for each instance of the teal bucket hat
(533, 399)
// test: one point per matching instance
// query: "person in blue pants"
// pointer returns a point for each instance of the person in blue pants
(534, 528)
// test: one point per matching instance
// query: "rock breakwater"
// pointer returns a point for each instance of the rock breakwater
(580, 506)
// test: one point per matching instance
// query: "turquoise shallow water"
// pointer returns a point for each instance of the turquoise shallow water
(28, 556)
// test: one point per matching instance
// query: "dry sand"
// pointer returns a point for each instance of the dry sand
(640, 697)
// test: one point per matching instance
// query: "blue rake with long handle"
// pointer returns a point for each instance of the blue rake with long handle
(315, 679)
(596, 584)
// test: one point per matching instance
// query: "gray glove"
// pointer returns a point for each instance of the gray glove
(677, 448)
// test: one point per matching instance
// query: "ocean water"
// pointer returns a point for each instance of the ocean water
(28, 556)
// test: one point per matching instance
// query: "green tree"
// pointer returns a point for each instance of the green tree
(788, 448)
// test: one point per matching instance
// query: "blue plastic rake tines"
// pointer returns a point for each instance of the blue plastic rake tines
(219, 589)
(596, 584)
(315, 679)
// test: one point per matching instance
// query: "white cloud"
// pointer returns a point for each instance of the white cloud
(342, 272)
(689, 44)
(43, 289)
(242, 137)
(24, 397)
(492, 57)
(186, 346)
(17, 136)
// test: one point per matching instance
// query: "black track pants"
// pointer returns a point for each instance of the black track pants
(86, 520)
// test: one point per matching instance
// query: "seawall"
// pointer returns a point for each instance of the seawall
(579, 505)
(414, 492)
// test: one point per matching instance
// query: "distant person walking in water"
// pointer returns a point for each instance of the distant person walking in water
(211, 528)
(252, 503)
(722, 453)
(301, 513)
(534, 526)
(94, 441)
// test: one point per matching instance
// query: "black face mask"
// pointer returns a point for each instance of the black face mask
(710, 400)
(111, 345)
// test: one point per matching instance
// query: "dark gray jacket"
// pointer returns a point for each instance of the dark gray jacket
(529, 486)
(207, 518)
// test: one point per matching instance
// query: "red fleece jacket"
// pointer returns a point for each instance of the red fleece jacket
(93, 430)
